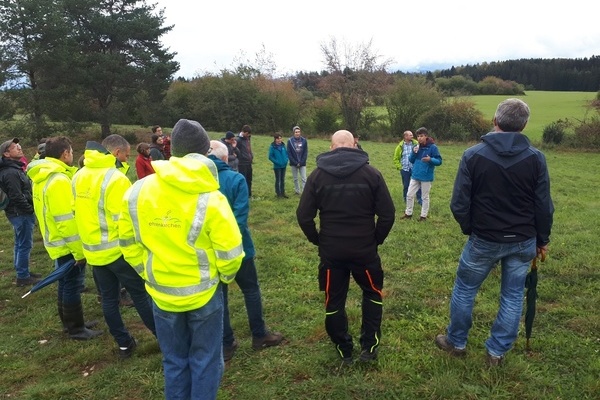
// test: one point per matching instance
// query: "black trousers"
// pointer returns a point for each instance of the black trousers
(246, 170)
(334, 280)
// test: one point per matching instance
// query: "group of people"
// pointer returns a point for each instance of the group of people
(183, 232)
(159, 148)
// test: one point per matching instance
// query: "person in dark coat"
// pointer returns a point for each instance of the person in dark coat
(356, 213)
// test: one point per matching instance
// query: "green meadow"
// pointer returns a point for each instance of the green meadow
(546, 107)
(39, 362)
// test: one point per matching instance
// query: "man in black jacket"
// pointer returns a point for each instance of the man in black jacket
(19, 211)
(245, 156)
(349, 194)
(501, 199)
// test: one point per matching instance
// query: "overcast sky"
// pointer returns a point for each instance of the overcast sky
(415, 35)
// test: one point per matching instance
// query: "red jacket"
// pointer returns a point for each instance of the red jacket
(143, 166)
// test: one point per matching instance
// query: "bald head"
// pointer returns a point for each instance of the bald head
(342, 139)
(218, 150)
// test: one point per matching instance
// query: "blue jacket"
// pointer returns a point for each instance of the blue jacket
(278, 155)
(423, 171)
(233, 186)
(295, 157)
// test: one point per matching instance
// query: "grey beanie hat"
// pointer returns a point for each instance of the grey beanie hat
(189, 137)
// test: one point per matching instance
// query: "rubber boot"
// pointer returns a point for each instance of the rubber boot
(73, 319)
(89, 324)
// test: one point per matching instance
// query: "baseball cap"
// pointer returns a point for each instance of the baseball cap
(5, 145)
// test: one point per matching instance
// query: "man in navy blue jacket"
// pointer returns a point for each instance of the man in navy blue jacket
(233, 185)
(501, 199)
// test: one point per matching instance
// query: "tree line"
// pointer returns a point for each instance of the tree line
(66, 63)
(554, 74)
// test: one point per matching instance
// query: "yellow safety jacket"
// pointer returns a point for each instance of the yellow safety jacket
(178, 231)
(99, 188)
(53, 204)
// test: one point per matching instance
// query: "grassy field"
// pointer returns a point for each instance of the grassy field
(39, 362)
(546, 107)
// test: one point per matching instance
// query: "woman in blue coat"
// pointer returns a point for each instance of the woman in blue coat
(279, 157)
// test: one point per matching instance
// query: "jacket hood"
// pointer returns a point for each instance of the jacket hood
(9, 162)
(221, 166)
(96, 156)
(40, 170)
(342, 161)
(507, 143)
(193, 173)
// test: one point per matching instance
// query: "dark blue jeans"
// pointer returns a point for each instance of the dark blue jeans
(23, 227)
(109, 279)
(69, 286)
(279, 181)
(247, 280)
(190, 342)
(405, 182)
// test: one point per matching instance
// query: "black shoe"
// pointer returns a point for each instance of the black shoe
(442, 342)
(127, 352)
(229, 351)
(31, 274)
(367, 356)
(406, 216)
(27, 281)
(285, 196)
(269, 340)
(421, 219)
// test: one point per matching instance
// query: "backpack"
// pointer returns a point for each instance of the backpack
(3, 200)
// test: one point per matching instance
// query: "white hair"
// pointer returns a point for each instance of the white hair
(219, 150)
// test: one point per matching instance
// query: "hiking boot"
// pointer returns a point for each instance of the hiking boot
(229, 351)
(269, 340)
(31, 280)
(367, 356)
(31, 274)
(125, 299)
(443, 343)
(406, 216)
(494, 361)
(421, 219)
(127, 352)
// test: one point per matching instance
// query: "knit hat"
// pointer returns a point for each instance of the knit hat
(5, 145)
(296, 127)
(42, 150)
(229, 135)
(189, 137)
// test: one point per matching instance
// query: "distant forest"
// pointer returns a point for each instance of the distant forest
(555, 74)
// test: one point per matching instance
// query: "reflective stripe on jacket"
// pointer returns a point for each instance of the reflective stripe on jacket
(98, 189)
(179, 233)
(53, 204)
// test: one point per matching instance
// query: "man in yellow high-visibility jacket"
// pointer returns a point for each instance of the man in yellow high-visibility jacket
(99, 188)
(53, 204)
(178, 231)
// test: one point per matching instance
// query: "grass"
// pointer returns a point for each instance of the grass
(546, 107)
(39, 362)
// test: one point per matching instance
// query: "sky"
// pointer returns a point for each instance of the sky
(212, 35)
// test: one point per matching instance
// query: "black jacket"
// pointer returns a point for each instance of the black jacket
(502, 190)
(245, 155)
(17, 186)
(348, 193)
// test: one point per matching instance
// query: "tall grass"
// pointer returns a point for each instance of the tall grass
(419, 259)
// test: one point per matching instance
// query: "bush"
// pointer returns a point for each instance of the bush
(456, 120)
(587, 135)
(554, 133)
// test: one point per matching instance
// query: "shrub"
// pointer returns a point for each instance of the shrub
(554, 133)
(456, 120)
(587, 134)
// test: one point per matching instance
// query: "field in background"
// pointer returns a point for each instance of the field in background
(38, 362)
(546, 107)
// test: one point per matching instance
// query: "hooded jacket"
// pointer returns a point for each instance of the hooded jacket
(502, 190)
(178, 232)
(278, 155)
(423, 171)
(356, 211)
(99, 188)
(54, 207)
(297, 150)
(17, 186)
(233, 185)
